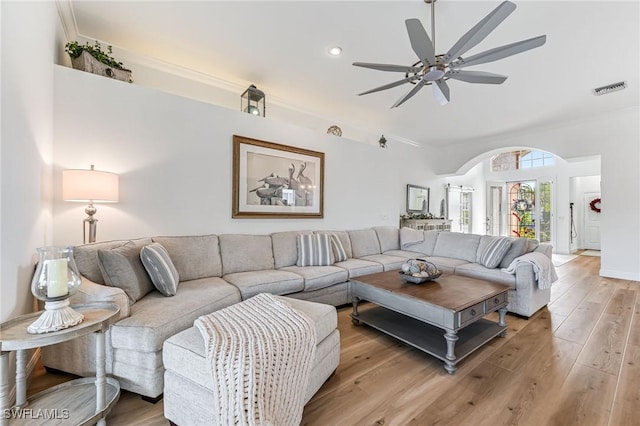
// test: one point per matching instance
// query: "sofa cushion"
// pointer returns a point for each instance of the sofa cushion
(491, 250)
(474, 270)
(316, 277)
(532, 245)
(266, 281)
(410, 236)
(389, 263)
(244, 253)
(388, 237)
(121, 267)
(339, 252)
(426, 246)
(285, 248)
(405, 254)
(314, 250)
(86, 257)
(456, 245)
(446, 264)
(155, 318)
(517, 249)
(194, 257)
(357, 267)
(160, 269)
(364, 242)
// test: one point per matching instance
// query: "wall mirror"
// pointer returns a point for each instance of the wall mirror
(417, 199)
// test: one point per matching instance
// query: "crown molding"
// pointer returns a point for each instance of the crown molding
(67, 19)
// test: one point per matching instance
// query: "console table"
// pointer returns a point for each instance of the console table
(427, 224)
(82, 401)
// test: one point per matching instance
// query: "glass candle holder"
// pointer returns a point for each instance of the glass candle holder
(56, 279)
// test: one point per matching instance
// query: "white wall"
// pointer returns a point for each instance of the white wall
(29, 49)
(174, 158)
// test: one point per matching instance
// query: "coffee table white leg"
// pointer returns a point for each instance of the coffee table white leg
(21, 378)
(4, 387)
(501, 322)
(449, 363)
(100, 376)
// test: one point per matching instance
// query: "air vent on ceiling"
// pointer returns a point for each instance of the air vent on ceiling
(610, 88)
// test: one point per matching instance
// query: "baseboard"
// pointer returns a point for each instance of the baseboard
(619, 274)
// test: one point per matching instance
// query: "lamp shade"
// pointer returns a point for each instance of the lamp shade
(90, 186)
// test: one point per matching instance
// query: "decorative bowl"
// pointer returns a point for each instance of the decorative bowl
(418, 280)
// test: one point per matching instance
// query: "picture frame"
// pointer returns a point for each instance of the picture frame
(276, 181)
(417, 199)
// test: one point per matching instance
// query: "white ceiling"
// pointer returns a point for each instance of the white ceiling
(282, 48)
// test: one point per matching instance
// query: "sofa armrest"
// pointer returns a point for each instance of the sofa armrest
(545, 248)
(91, 292)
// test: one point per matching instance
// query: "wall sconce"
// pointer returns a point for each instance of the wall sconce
(252, 101)
(92, 186)
(382, 141)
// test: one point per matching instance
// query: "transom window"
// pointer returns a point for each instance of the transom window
(522, 159)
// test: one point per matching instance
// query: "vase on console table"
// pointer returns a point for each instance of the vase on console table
(56, 279)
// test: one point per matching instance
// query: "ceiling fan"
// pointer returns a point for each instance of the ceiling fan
(434, 69)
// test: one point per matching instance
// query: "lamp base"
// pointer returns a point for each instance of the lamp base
(57, 316)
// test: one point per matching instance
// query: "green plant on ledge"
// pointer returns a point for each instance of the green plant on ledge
(75, 50)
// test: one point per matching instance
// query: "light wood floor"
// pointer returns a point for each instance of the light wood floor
(576, 362)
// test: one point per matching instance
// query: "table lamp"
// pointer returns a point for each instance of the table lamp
(89, 186)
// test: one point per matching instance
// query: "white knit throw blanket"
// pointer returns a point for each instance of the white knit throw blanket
(543, 268)
(260, 354)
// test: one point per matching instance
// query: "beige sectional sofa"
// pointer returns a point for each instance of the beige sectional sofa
(219, 270)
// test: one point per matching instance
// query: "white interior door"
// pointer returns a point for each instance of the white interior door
(496, 221)
(591, 234)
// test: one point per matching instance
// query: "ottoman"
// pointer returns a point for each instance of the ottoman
(188, 394)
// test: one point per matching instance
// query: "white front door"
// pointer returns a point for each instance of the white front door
(591, 237)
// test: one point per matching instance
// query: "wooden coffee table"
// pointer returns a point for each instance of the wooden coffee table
(417, 314)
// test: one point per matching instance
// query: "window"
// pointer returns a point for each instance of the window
(523, 159)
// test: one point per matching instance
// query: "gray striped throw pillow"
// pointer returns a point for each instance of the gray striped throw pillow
(339, 253)
(314, 250)
(492, 250)
(160, 268)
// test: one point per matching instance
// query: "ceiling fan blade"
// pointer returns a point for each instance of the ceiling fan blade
(441, 91)
(420, 41)
(409, 94)
(388, 67)
(476, 77)
(500, 52)
(480, 31)
(390, 85)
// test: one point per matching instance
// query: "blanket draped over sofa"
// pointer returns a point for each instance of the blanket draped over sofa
(260, 354)
(543, 269)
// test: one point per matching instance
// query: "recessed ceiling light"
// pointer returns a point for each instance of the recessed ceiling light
(335, 51)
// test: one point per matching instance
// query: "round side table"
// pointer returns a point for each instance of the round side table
(81, 401)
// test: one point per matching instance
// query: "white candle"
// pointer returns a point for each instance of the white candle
(57, 277)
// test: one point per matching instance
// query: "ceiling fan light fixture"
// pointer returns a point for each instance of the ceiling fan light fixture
(434, 69)
(610, 88)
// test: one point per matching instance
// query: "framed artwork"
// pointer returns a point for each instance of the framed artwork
(271, 180)
(417, 199)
